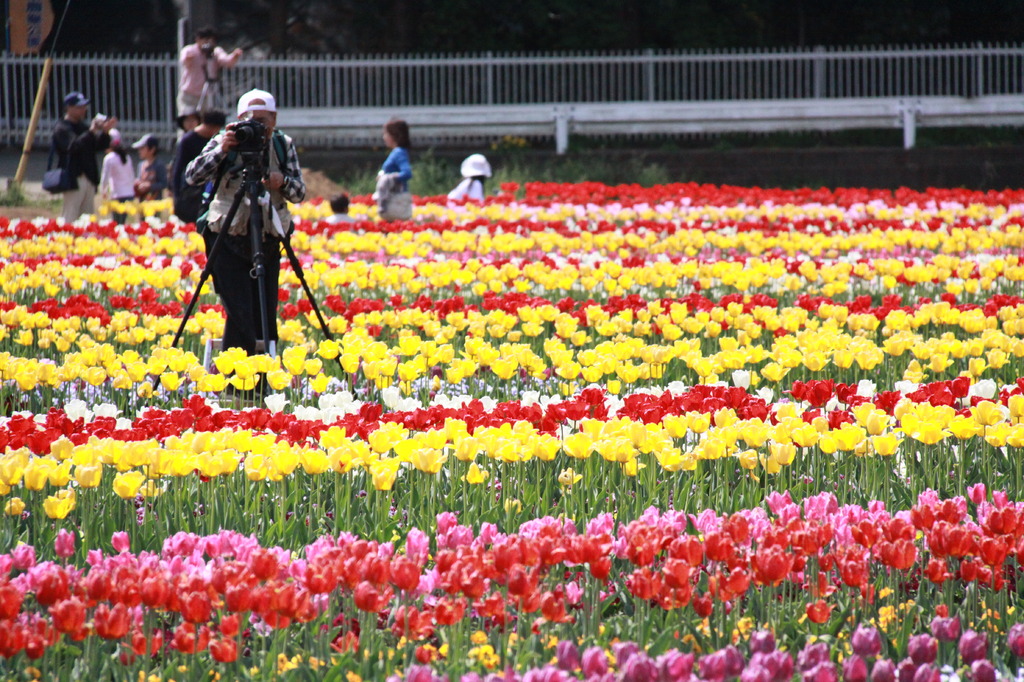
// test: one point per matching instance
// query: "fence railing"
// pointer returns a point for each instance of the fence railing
(141, 90)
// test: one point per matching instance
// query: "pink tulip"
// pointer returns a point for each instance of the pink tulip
(64, 544)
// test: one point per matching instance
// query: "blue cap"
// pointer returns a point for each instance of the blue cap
(75, 99)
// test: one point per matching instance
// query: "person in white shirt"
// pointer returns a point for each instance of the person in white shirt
(118, 176)
(475, 169)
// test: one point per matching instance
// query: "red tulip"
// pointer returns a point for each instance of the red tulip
(368, 598)
(264, 564)
(111, 623)
(771, 565)
(224, 650)
(552, 607)
(53, 587)
(196, 607)
(405, 573)
(819, 611)
(68, 615)
(11, 599)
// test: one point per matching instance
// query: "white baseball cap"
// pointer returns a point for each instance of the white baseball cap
(256, 100)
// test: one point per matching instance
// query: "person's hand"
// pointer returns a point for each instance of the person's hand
(109, 124)
(274, 180)
(228, 142)
(236, 53)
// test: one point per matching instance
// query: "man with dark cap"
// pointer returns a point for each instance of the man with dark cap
(76, 144)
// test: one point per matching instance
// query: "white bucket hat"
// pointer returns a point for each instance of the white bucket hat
(256, 100)
(476, 165)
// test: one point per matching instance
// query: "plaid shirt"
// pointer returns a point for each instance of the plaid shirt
(204, 167)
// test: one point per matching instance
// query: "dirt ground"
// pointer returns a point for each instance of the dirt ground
(27, 212)
(319, 185)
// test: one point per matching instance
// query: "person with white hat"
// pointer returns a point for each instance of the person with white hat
(475, 170)
(282, 183)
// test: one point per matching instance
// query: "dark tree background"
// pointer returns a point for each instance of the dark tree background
(440, 26)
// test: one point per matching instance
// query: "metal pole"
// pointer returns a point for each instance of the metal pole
(30, 134)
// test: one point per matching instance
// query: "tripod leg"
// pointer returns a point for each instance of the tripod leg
(297, 267)
(259, 269)
(208, 269)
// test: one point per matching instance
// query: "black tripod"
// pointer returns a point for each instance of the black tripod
(251, 187)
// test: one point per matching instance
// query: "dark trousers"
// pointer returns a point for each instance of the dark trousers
(239, 290)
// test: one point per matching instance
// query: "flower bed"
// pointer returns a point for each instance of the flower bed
(648, 433)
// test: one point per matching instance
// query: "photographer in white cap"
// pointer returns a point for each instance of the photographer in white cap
(282, 181)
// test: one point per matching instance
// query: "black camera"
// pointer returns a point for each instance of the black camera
(251, 136)
(207, 48)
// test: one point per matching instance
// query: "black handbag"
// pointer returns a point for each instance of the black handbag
(57, 180)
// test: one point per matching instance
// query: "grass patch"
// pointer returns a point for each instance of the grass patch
(434, 174)
(14, 195)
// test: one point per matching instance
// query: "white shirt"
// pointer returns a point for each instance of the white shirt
(469, 188)
(118, 178)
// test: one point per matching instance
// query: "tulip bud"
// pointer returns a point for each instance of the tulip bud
(905, 671)
(867, 641)
(756, 673)
(946, 629)
(1015, 639)
(676, 667)
(855, 669)
(120, 541)
(927, 673)
(734, 662)
(594, 662)
(983, 671)
(812, 655)
(823, 672)
(884, 670)
(568, 655)
(639, 668)
(762, 641)
(64, 544)
(922, 648)
(973, 646)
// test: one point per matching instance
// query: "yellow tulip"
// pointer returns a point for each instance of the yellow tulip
(987, 413)
(60, 505)
(885, 444)
(475, 475)
(384, 474)
(783, 454)
(748, 458)
(14, 507)
(428, 460)
(568, 477)
(170, 381)
(578, 445)
(314, 461)
(127, 484)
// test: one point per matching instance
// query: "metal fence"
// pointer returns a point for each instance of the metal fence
(141, 90)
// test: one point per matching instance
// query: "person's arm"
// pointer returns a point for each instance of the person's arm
(105, 178)
(397, 163)
(63, 136)
(225, 60)
(293, 188)
(204, 167)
